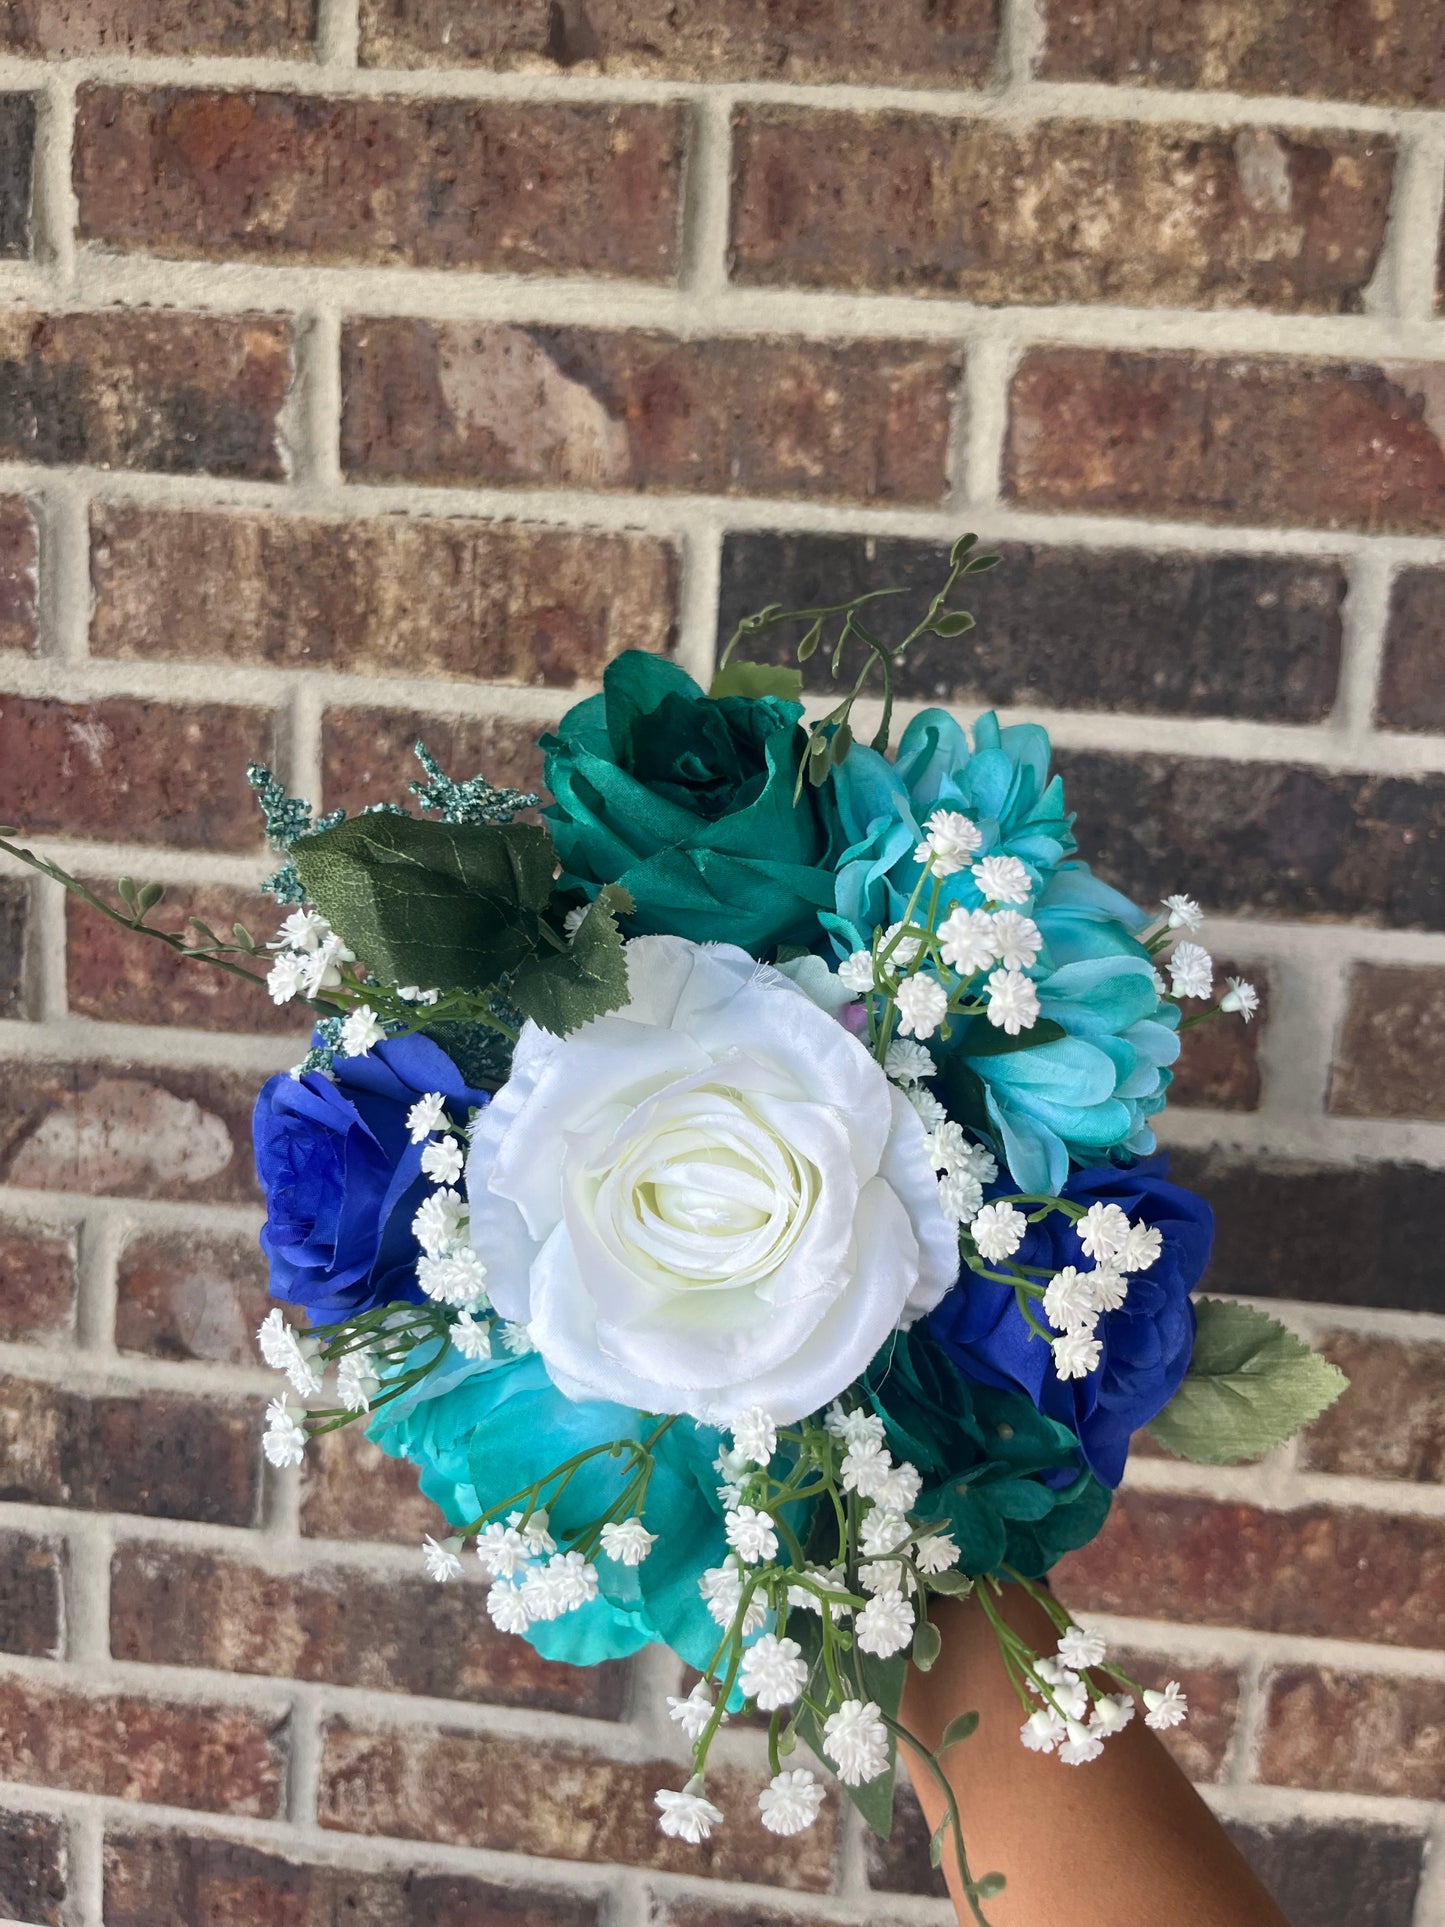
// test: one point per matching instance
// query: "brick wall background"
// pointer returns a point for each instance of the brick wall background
(376, 365)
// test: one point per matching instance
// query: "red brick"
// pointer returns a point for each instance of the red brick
(135, 388)
(155, 1879)
(59, 27)
(1349, 51)
(171, 1606)
(1412, 678)
(16, 900)
(32, 1868)
(1218, 1067)
(163, 1454)
(1351, 445)
(122, 978)
(19, 573)
(915, 42)
(351, 1490)
(17, 157)
(1390, 1058)
(216, 1758)
(191, 1295)
(30, 1620)
(679, 1910)
(508, 186)
(453, 402)
(367, 755)
(474, 601)
(1122, 212)
(1390, 1424)
(1354, 1733)
(135, 1131)
(525, 1796)
(1333, 1572)
(1201, 1745)
(129, 770)
(37, 1281)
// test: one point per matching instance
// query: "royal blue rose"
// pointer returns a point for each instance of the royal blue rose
(1145, 1344)
(342, 1178)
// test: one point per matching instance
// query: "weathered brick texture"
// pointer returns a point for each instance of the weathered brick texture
(37, 1281)
(1390, 1061)
(1153, 216)
(1412, 679)
(1390, 1424)
(19, 573)
(30, 1610)
(440, 184)
(576, 407)
(1355, 1733)
(457, 600)
(57, 27)
(32, 1868)
(191, 1295)
(16, 900)
(17, 155)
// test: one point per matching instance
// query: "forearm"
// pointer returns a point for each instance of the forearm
(1122, 1842)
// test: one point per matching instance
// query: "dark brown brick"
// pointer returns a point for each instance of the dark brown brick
(677, 1910)
(219, 1759)
(120, 27)
(1325, 1571)
(17, 158)
(475, 601)
(1331, 1234)
(1126, 212)
(504, 185)
(134, 1131)
(1390, 1058)
(900, 1864)
(15, 902)
(1412, 679)
(1201, 1745)
(1354, 1733)
(1218, 1067)
(452, 402)
(1351, 51)
(1351, 445)
(32, 1868)
(1390, 1424)
(917, 42)
(1265, 838)
(37, 1281)
(351, 1490)
(163, 1454)
(177, 1880)
(515, 1796)
(184, 1294)
(19, 573)
(1249, 635)
(132, 388)
(122, 978)
(130, 770)
(171, 1606)
(367, 754)
(1334, 1875)
(29, 1596)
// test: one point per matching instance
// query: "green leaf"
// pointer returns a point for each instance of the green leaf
(961, 1727)
(808, 647)
(938, 1843)
(960, 549)
(754, 679)
(1251, 1384)
(148, 896)
(125, 889)
(451, 905)
(865, 1677)
(980, 1038)
(561, 989)
(989, 1888)
(953, 622)
(956, 1585)
(927, 1645)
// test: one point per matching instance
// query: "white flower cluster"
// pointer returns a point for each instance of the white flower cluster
(531, 1580)
(1191, 968)
(1076, 1717)
(1075, 1300)
(450, 1271)
(1000, 941)
(298, 1355)
(309, 960)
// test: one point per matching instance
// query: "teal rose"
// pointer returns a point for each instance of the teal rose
(687, 802)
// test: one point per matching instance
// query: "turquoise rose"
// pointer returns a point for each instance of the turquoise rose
(1079, 1097)
(688, 803)
(499, 1425)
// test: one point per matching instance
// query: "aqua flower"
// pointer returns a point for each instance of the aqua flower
(501, 1425)
(1003, 783)
(688, 803)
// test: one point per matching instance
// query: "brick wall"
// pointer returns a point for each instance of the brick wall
(376, 364)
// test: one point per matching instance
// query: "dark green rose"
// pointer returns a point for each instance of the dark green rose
(688, 803)
(1009, 1481)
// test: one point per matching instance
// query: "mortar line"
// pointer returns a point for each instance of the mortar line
(85, 1867)
(314, 409)
(988, 370)
(1364, 624)
(52, 196)
(65, 592)
(705, 212)
(46, 963)
(1430, 1895)
(1415, 220)
(338, 35)
(1021, 43)
(1241, 1762)
(102, 1235)
(698, 602)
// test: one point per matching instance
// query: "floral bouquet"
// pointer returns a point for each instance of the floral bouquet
(735, 1193)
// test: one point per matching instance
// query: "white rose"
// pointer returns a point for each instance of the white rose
(709, 1201)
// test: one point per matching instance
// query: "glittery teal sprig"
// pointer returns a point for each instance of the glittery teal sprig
(474, 801)
(286, 818)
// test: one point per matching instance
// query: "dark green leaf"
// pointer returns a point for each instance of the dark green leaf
(980, 1038)
(754, 679)
(451, 905)
(960, 549)
(927, 1645)
(809, 645)
(955, 1585)
(243, 936)
(564, 988)
(953, 622)
(148, 896)
(125, 889)
(978, 563)
(842, 742)
(938, 1843)
(962, 1727)
(990, 1887)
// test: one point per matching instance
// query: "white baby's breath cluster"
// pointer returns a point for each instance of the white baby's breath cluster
(450, 1270)
(310, 958)
(1190, 966)
(1080, 1706)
